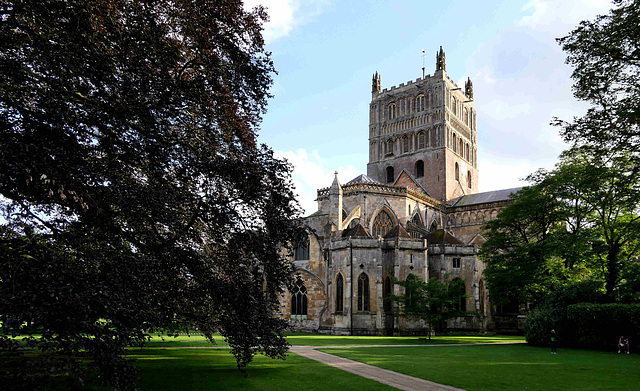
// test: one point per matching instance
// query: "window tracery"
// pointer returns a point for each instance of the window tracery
(382, 224)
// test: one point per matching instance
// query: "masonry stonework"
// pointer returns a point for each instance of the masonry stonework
(416, 214)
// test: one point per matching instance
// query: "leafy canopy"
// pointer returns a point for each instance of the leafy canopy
(134, 193)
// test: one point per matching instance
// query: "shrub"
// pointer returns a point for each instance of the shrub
(552, 313)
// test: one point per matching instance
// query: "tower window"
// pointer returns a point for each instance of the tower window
(390, 175)
(419, 169)
(420, 103)
(457, 172)
(456, 263)
(389, 147)
(469, 179)
(392, 111)
(363, 292)
(421, 140)
(299, 299)
(405, 144)
(382, 224)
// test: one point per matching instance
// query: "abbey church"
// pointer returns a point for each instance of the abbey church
(416, 213)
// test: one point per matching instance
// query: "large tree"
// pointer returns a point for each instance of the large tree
(581, 220)
(134, 193)
(605, 55)
(576, 222)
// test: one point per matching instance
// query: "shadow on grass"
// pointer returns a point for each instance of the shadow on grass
(213, 369)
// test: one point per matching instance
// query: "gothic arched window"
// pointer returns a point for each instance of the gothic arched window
(390, 174)
(469, 179)
(434, 226)
(460, 291)
(339, 293)
(457, 172)
(405, 144)
(363, 292)
(419, 169)
(389, 147)
(382, 224)
(299, 299)
(417, 221)
(388, 290)
(302, 251)
(409, 291)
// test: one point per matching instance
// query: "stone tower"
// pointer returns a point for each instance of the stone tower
(427, 128)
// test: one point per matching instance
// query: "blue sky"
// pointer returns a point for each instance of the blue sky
(326, 52)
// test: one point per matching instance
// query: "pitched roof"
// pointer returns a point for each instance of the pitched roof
(398, 232)
(361, 179)
(440, 236)
(407, 180)
(356, 232)
(486, 197)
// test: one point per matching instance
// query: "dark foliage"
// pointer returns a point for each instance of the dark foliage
(133, 190)
(552, 313)
(600, 326)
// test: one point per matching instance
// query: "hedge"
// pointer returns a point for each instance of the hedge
(599, 326)
(552, 313)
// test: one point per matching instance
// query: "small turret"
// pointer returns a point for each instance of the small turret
(441, 65)
(468, 88)
(375, 85)
(335, 203)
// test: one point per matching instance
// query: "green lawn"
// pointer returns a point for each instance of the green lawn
(506, 367)
(332, 340)
(184, 363)
(215, 369)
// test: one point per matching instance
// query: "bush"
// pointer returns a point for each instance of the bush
(599, 326)
(552, 313)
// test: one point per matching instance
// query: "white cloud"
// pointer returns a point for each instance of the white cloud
(311, 172)
(501, 172)
(286, 15)
(551, 14)
(500, 109)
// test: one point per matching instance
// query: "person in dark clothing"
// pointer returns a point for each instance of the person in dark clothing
(554, 342)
